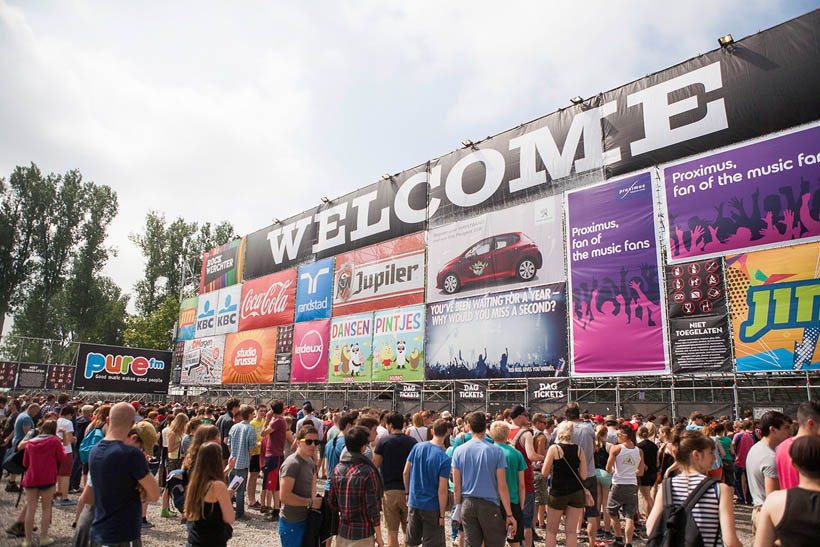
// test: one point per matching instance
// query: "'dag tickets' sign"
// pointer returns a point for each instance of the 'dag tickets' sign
(122, 370)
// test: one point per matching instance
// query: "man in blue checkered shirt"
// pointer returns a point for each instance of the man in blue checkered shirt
(242, 439)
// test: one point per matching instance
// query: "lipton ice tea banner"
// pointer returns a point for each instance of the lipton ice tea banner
(122, 370)
(351, 348)
(398, 345)
(222, 267)
(774, 299)
(310, 351)
(186, 327)
(250, 357)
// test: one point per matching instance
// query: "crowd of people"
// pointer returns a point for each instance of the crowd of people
(340, 477)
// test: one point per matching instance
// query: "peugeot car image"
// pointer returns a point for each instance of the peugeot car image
(504, 255)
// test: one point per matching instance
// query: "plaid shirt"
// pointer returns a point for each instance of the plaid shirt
(242, 438)
(355, 491)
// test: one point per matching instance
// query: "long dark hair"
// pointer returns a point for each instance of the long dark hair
(202, 435)
(208, 468)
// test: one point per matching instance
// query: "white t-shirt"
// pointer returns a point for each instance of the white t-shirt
(63, 423)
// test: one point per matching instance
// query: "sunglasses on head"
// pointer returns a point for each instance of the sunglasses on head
(310, 441)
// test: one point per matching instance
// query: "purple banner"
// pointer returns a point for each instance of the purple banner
(750, 197)
(617, 317)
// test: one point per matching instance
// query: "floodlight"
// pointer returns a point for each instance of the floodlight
(726, 41)
(467, 143)
(387, 176)
(276, 221)
(576, 100)
(325, 200)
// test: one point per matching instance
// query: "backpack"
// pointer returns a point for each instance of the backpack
(676, 527)
(90, 440)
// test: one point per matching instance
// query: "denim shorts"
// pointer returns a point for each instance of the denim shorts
(529, 509)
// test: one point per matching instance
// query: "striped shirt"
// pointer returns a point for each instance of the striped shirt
(242, 439)
(706, 511)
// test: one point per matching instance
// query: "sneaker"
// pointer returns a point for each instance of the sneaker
(146, 524)
(74, 490)
(167, 514)
(64, 502)
(17, 529)
(46, 541)
(619, 542)
(265, 509)
(255, 505)
(12, 487)
(26, 543)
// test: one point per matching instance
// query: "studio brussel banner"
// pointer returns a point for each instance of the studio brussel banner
(512, 334)
(618, 323)
(752, 196)
(548, 391)
(351, 348)
(774, 298)
(122, 370)
(222, 267)
(250, 357)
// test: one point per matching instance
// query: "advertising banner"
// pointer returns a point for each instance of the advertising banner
(618, 324)
(122, 370)
(698, 317)
(314, 291)
(471, 392)
(268, 301)
(186, 326)
(60, 377)
(546, 391)
(206, 314)
(351, 348)
(310, 351)
(512, 334)
(398, 345)
(501, 250)
(30, 376)
(408, 392)
(227, 310)
(773, 298)
(250, 357)
(176, 363)
(202, 361)
(284, 352)
(222, 267)
(382, 276)
(753, 196)
(8, 374)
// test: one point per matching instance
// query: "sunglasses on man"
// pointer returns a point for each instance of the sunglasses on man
(310, 441)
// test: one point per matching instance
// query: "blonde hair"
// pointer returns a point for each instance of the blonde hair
(418, 419)
(499, 431)
(179, 423)
(564, 431)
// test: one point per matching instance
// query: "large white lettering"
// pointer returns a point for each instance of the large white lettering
(493, 175)
(282, 239)
(401, 205)
(363, 229)
(326, 226)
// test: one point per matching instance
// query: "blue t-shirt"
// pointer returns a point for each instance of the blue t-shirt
(23, 420)
(428, 463)
(333, 451)
(477, 462)
(116, 469)
(467, 436)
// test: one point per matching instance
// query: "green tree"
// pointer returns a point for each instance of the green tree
(155, 330)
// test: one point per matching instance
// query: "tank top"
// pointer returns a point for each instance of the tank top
(564, 482)
(173, 455)
(601, 458)
(418, 433)
(650, 454)
(209, 531)
(706, 511)
(800, 519)
(626, 466)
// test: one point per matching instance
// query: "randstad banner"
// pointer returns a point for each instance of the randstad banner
(774, 299)
(314, 291)
(117, 369)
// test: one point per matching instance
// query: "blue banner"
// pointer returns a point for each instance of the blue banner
(314, 290)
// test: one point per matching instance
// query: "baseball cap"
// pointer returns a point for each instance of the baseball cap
(136, 405)
(446, 415)
(148, 436)
(517, 411)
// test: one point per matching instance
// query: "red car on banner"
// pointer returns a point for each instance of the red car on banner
(268, 301)
(502, 255)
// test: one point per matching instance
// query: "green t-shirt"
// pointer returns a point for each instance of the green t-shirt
(515, 463)
(726, 443)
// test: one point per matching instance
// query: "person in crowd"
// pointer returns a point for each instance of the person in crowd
(714, 512)
(298, 487)
(190, 430)
(258, 423)
(761, 462)
(241, 439)
(382, 429)
(224, 424)
(334, 449)
(172, 440)
(48, 405)
(480, 486)
(696, 421)
(356, 492)
(371, 423)
(611, 423)
(65, 432)
(514, 475)
(649, 452)
(625, 464)
(717, 465)
(521, 438)
(604, 477)
(583, 435)
(727, 460)
(425, 478)
(792, 516)
(418, 430)
(390, 456)
(82, 422)
(743, 442)
(808, 420)
(205, 433)
(308, 417)
(120, 476)
(565, 464)
(278, 434)
(540, 438)
(208, 509)
(43, 454)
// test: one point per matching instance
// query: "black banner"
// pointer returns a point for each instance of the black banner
(408, 392)
(8, 374)
(60, 377)
(284, 353)
(471, 392)
(696, 289)
(548, 391)
(700, 344)
(176, 362)
(30, 376)
(122, 370)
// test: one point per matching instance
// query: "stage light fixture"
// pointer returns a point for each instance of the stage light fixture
(276, 221)
(576, 100)
(467, 143)
(726, 41)
(325, 200)
(387, 176)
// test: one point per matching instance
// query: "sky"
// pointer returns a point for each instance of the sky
(251, 111)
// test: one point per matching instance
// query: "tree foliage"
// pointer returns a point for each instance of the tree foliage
(154, 330)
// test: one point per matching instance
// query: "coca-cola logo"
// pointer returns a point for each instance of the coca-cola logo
(274, 300)
(310, 349)
(246, 356)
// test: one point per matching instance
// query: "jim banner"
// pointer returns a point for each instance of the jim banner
(186, 325)
(8, 374)
(314, 291)
(60, 377)
(398, 345)
(381, 276)
(548, 391)
(753, 196)
(122, 370)
(31, 376)
(501, 250)
(471, 392)
(222, 267)
(512, 334)
(774, 298)
(351, 348)
(250, 357)
(227, 309)
(310, 350)
(268, 301)
(618, 324)
(202, 361)
(284, 352)
(408, 392)
(698, 317)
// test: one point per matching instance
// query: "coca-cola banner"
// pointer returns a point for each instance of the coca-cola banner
(547, 391)
(310, 349)
(250, 357)
(408, 392)
(471, 392)
(268, 301)
(222, 267)
(382, 276)
(227, 311)
(206, 314)
(202, 361)
(398, 345)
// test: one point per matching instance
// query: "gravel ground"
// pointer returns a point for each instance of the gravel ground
(255, 531)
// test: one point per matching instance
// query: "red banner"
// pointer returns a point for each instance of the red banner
(250, 357)
(268, 301)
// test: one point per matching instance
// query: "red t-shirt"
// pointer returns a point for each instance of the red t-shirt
(276, 438)
(789, 478)
(528, 482)
(746, 442)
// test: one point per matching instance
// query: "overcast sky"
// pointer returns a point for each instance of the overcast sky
(251, 110)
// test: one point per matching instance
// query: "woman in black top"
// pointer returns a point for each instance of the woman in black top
(650, 474)
(208, 501)
(566, 463)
